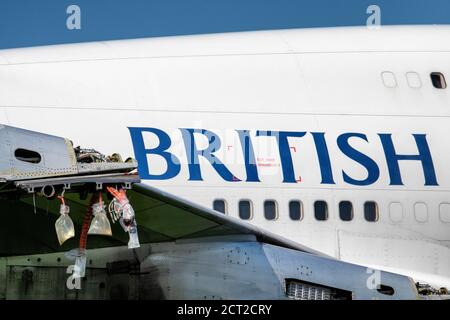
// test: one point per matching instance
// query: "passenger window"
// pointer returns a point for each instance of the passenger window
(270, 210)
(220, 205)
(389, 79)
(345, 210)
(413, 79)
(444, 212)
(321, 210)
(295, 210)
(438, 80)
(245, 209)
(371, 211)
(395, 211)
(421, 212)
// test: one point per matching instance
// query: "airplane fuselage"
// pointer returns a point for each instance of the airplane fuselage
(315, 117)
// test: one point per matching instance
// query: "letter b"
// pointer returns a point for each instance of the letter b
(141, 152)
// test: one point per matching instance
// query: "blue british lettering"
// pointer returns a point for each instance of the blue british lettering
(173, 163)
(373, 172)
(284, 150)
(249, 156)
(193, 155)
(324, 157)
(424, 156)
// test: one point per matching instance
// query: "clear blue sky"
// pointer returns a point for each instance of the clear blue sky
(40, 22)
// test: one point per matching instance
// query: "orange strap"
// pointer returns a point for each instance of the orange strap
(62, 200)
(87, 221)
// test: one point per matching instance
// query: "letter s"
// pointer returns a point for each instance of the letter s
(373, 172)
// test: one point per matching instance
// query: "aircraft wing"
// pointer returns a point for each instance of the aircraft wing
(160, 216)
(176, 218)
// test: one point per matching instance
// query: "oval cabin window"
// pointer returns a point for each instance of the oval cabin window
(345, 210)
(396, 211)
(371, 211)
(438, 80)
(220, 205)
(295, 210)
(245, 210)
(420, 212)
(270, 210)
(444, 212)
(321, 210)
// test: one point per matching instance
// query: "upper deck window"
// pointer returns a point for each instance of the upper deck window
(438, 80)
(389, 79)
(413, 79)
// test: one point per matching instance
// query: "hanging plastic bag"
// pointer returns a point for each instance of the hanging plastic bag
(127, 217)
(80, 267)
(100, 224)
(64, 225)
(127, 211)
(133, 242)
(79, 255)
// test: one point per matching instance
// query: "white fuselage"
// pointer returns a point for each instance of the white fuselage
(363, 119)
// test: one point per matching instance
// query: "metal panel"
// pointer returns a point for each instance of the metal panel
(57, 155)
